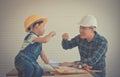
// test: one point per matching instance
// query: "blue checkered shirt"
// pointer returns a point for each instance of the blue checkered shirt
(91, 53)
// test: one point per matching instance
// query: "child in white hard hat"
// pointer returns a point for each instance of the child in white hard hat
(26, 60)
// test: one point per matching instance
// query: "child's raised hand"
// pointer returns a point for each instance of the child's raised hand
(52, 33)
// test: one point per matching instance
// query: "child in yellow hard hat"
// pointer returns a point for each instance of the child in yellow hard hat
(26, 60)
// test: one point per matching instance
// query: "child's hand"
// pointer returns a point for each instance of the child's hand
(52, 33)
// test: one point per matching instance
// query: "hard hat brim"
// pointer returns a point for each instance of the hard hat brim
(41, 19)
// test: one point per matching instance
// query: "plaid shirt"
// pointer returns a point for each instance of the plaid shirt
(91, 53)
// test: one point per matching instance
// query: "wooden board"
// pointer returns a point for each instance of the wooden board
(73, 75)
(69, 70)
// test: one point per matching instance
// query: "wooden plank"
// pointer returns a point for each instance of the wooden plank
(74, 75)
(14, 72)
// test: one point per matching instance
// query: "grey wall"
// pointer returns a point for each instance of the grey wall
(63, 15)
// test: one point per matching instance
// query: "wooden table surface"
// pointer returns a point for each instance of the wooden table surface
(14, 72)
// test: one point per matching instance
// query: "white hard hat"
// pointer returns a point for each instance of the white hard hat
(88, 21)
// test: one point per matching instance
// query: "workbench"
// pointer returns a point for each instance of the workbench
(14, 73)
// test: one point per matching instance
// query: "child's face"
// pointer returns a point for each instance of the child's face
(40, 29)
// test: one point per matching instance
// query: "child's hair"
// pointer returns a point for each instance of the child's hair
(33, 25)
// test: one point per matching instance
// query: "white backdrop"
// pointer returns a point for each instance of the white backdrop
(63, 16)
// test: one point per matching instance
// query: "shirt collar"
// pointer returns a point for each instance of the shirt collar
(95, 37)
(34, 33)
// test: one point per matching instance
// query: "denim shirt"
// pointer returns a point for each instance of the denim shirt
(30, 50)
(91, 53)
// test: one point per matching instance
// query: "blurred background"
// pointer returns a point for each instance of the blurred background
(63, 16)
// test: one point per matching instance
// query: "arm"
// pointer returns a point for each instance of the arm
(44, 39)
(68, 44)
(44, 57)
(101, 50)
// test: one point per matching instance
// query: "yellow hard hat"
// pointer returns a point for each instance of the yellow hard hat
(31, 20)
